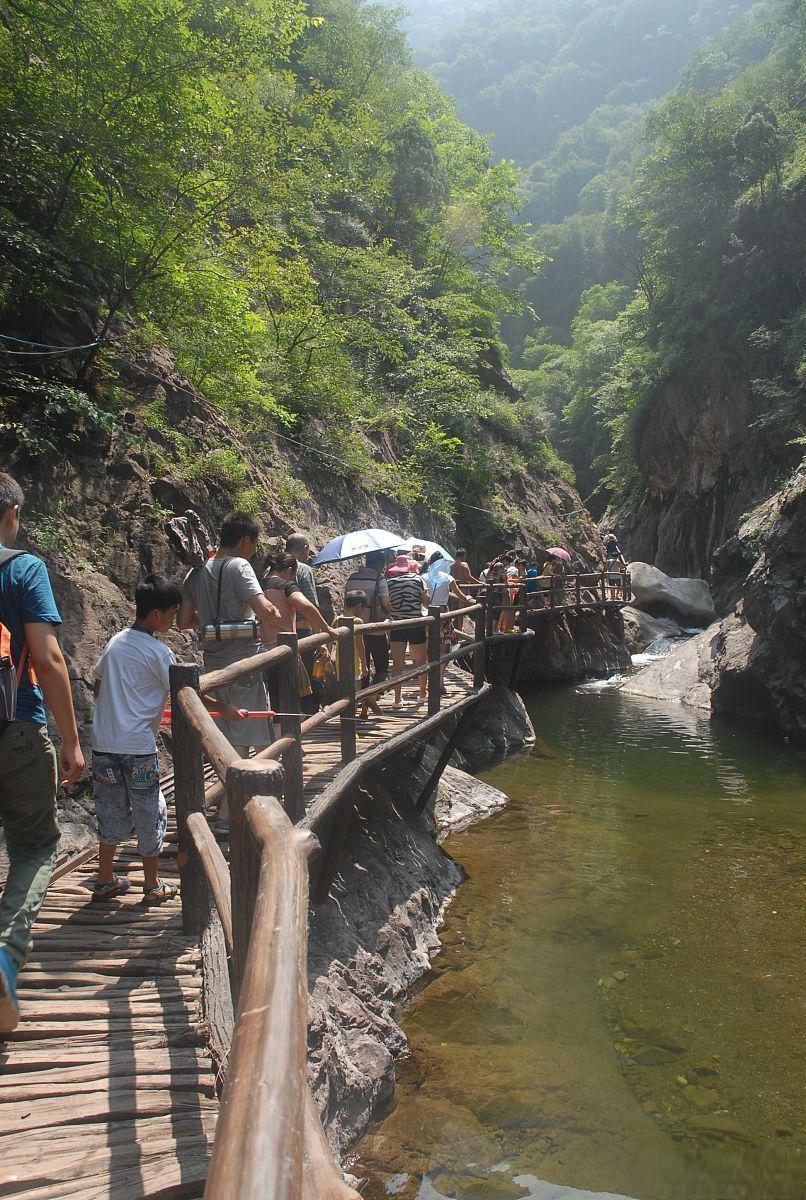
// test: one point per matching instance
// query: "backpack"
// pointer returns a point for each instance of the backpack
(9, 675)
(189, 539)
(371, 592)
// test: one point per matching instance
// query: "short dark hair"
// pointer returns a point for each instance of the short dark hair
(237, 525)
(297, 542)
(279, 561)
(355, 600)
(376, 558)
(461, 552)
(10, 493)
(155, 591)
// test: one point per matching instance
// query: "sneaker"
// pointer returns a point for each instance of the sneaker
(9, 1004)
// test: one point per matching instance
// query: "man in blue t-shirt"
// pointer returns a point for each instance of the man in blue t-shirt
(28, 764)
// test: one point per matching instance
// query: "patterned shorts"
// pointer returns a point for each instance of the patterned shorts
(128, 800)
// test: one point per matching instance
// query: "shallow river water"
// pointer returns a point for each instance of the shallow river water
(617, 1007)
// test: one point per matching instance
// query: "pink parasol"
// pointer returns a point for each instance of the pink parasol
(558, 552)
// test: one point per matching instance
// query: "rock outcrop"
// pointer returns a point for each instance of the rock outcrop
(678, 676)
(568, 646)
(641, 630)
(498, 724)
(686, 600)
(463, 800)
(704, 467)
(727, 669)
(375, 936)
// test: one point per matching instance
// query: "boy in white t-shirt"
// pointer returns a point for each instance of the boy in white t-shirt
(131, 685)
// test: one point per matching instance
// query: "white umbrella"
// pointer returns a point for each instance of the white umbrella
(352, 545)
(430, 547)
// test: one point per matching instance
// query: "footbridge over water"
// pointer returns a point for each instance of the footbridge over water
(162, 1052)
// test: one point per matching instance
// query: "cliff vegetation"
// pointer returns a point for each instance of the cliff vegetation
(267, 206)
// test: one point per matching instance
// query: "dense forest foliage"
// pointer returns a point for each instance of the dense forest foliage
(425, 21)
(564, 89)
(709, 239)
(270, 191)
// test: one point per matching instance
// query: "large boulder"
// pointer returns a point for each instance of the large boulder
(660, 595)
(641, 630)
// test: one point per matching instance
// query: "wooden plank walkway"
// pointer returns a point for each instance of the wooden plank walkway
(106, 1088)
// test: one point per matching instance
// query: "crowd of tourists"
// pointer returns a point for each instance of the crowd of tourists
(238, 605)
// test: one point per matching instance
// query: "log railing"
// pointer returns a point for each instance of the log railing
(269, 1140)
(574, 590)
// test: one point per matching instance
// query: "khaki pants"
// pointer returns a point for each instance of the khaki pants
(28, 814)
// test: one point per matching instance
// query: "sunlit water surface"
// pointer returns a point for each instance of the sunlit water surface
(617, 1007)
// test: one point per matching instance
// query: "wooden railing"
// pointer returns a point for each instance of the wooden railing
(269, 1140)
(578, 590)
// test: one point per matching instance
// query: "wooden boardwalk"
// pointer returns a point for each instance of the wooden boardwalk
(106, 1087)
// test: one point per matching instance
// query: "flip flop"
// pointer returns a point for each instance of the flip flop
(107, 891)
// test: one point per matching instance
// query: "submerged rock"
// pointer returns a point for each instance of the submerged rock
(463, 799)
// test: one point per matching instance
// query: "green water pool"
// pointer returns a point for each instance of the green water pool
(618, 1004)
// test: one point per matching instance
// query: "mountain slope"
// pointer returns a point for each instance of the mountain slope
(272, 195)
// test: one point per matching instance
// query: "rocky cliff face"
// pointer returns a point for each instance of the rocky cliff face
(704, 467)
(751, 663)
(376, 934)
(761, 655)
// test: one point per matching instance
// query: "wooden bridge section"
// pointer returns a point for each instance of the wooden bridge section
(110, 1085)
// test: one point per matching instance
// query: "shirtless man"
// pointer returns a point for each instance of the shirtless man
(461, 571)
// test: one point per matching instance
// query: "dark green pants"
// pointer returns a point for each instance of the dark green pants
(28, 814)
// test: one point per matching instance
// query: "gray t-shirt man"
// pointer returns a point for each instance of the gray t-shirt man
(307, 582)
(239, 584)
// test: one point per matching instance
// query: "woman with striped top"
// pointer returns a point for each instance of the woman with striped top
(408, 595)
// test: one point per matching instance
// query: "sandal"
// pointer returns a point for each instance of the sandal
(118, 886)
(161, 891)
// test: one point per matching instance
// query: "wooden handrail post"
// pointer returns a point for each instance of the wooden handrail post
(488, 616)
(479, 653)
(347, 688)
(523, 611)
(604, 588)
(288, 692)
(434, 644)
(579, 592)
(246, 779)
(188, 798)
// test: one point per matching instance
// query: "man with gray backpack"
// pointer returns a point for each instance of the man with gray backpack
(32, 671)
